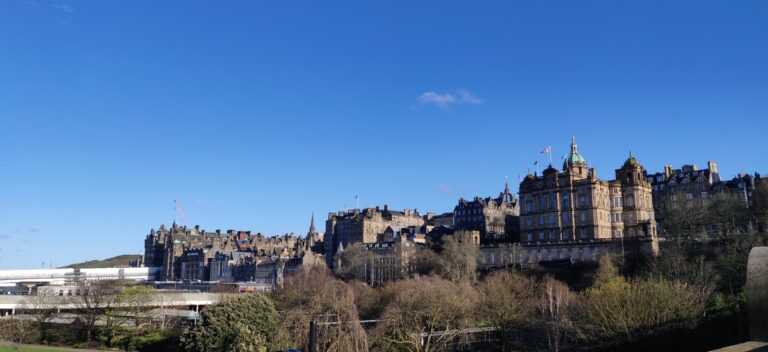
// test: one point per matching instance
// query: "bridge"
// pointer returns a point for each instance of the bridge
(10, 305)
(61, 276)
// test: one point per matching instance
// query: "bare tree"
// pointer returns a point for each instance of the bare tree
(17, 331)
(425, 315)
(681, 222)
(507, 300)
(96, 298)
(315, 295)
(459, 257)
(553, 306)
(42, 307)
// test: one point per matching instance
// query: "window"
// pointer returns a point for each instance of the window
(566, 200)
(616, 203)
(689, 196)
(552, 235)
(583, 216)
(659, 178)
(703, 194)
(582, 200)
(528, 206)
(529, 221)
(541, 235)
(552, 218)
(583, 232)
(566, 219)
(541, 219)
(530, 237)
(552, 200)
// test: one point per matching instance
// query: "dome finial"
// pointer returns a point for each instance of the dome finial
(574, 147)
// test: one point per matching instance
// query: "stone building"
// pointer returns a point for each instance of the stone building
(691, 187)
(576, 205)
(497, 219)
(189, 253)
(364, 226)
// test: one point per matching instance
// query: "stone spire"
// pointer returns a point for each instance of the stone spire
(311, 235)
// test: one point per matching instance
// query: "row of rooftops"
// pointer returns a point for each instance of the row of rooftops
(369, 212)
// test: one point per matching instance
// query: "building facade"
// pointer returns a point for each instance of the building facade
(692, 188)
(364, 226)
(575, 205)
(497, 219)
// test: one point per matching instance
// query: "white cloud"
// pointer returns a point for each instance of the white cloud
(441, 100)
(64, 7)
(446, 100)
(467, 97)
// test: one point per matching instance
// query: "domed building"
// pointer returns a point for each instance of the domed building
(573, 205)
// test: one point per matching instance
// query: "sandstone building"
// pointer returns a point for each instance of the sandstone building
(575, 205)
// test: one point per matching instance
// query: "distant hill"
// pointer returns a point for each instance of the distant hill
(120, 260)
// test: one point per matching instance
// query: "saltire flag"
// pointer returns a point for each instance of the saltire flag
(546, 150)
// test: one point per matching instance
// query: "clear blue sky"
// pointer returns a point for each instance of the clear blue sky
(257, 114)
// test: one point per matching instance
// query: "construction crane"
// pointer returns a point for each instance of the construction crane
(180, 212)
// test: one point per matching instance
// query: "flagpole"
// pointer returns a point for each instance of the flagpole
(550, 155)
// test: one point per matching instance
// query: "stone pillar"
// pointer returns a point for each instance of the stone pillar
(757, 293)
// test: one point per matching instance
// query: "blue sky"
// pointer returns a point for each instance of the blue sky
(257, 114)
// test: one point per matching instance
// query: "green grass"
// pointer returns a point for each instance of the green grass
(9, 348)
(120, 260)
(6, 348)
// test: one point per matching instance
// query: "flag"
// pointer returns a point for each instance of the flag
(536, 162)
(546, 150)
(356, 195)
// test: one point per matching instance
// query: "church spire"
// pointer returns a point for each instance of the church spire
(312, 224)
(311, 235)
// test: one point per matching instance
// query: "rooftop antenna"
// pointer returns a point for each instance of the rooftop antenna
(180, 212)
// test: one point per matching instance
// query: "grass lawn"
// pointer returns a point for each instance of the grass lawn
(9, 348)
(6, 348)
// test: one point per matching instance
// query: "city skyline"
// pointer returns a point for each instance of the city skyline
(108, 114)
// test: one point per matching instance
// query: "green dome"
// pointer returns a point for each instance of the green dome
(573, 157)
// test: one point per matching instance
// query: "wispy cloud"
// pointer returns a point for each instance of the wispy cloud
(443, 188)
(34, 4)
(447, 100)
(64, 7)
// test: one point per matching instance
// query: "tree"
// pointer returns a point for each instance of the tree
(426, 262)
(506, 298)
(616, 310)
(351, 263)
(222, 325)
(679, 221)
(554, 301)
(727, 215)
(96, 298)
(42, 307)
(459, 257)
(129, 305)
(673, 264)
(760, 205)
(315, 295)
(425, 315)
(18, 331)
